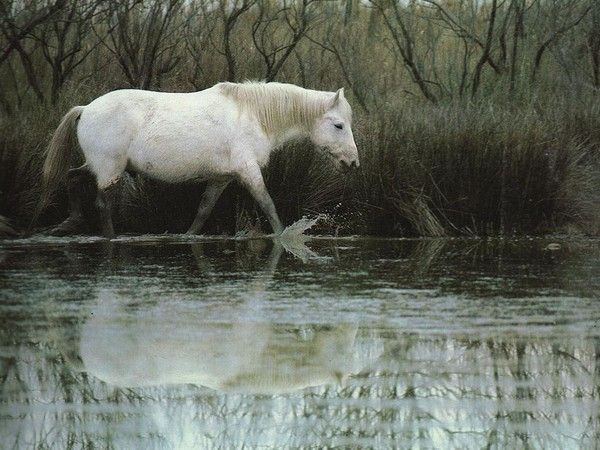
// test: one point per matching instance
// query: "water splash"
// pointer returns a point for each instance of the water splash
(294, 240)
(298, 228)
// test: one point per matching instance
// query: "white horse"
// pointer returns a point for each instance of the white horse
(223, 133)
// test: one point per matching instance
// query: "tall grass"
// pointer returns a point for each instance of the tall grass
(480, 169)
(456, 168)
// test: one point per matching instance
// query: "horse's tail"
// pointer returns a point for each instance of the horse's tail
(58, 158)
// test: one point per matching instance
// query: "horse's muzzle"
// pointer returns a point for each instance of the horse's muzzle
(347, 166)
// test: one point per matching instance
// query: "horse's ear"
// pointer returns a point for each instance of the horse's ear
(336, 99)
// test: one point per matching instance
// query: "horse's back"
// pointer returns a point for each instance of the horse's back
(133, 108)
(169, 136)
(110, 122)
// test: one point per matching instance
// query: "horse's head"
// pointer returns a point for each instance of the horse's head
(333, 132)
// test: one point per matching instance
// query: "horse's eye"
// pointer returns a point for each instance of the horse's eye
(339, 126)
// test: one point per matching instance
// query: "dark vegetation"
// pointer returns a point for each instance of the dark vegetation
(470, 117)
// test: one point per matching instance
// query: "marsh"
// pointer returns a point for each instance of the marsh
(179, 342)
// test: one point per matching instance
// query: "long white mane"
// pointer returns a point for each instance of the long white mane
(278, 106)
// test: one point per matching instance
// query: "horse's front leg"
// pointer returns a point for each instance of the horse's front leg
(252, 179)
(213, 191)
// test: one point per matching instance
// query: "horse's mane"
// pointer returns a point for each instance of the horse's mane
(278, 106)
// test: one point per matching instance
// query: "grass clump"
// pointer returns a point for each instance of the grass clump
(478, 169)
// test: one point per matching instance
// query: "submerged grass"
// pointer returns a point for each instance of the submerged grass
(459, 168)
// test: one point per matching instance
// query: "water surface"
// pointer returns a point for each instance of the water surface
(177, 342)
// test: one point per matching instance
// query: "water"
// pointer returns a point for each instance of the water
(179, 342)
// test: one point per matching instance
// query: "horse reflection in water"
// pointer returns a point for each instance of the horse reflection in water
(136, 346)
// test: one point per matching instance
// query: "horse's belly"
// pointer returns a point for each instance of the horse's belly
(179, 159)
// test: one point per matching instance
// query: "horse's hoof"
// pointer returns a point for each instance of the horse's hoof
(70, 226)
(108, 233)
(61, 231)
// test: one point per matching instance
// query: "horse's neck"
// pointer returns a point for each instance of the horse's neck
(288, 134)
(291, 130)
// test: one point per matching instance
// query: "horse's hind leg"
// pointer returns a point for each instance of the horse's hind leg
(108, 171)
(104, 202)
(213, 191)
(75, 183)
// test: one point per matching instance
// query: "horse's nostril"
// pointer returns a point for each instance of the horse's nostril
(353, 165)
